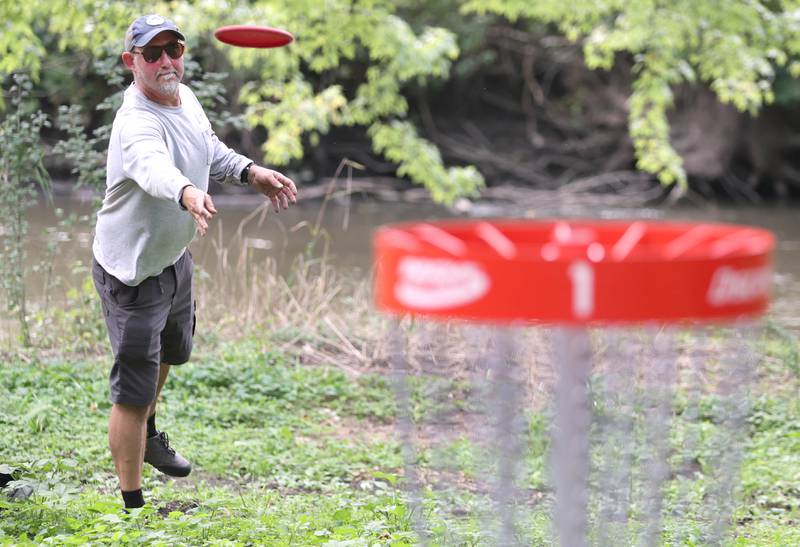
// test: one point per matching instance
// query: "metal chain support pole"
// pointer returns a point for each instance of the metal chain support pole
(406, 430)
(734, 393)
(509, 425)
(614, 434)
(659, 382)
(570, 452)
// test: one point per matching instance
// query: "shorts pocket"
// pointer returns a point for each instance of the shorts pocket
(122, 294)
(136, 345)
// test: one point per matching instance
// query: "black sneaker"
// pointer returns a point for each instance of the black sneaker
(19, 493)
(163, 457)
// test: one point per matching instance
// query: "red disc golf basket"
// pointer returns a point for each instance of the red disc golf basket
(630, 344)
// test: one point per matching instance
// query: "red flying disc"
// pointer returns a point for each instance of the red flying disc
(253, 36)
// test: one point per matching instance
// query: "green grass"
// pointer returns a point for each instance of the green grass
(273, 445)
(291, 454)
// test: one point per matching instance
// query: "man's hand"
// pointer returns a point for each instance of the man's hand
(199, 205)
(279, 188)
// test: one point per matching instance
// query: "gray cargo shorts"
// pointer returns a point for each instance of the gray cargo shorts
(149, 324)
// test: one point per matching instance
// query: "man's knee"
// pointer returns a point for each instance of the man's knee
(137, 412)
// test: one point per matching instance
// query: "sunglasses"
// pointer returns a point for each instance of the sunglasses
(152, 54)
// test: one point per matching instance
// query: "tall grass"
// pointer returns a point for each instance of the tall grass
(304, 306)
(300, 304)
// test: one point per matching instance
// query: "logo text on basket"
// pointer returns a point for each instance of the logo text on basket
(731, 286)
(439, 283)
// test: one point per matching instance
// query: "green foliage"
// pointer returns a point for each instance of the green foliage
(353, 60)
(19, 45)
(209, 88)
(83, 152)
(417, 158)
(348, 66)
(733, 47)
(87, 25)
(21, 168)
(771, 473)
(782, 346)
(334, 44)
(77, 327)
(87, 154)
(297, 111)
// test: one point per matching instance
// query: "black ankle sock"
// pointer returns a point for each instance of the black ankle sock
(133, 499)
(151, 426)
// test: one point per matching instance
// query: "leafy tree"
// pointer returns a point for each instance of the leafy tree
(735, 47)
(348, 67)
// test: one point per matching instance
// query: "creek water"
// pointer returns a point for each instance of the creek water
(346, 228)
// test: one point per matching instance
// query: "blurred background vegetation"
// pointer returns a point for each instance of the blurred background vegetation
(451, 94)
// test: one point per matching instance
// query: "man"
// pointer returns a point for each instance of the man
(161, 154)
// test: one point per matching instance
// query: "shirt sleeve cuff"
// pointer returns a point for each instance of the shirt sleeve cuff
(182, 183)
(236, 177)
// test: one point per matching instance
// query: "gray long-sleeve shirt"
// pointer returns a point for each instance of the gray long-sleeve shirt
(155, 151)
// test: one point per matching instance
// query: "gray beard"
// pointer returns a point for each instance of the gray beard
(169, 87)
